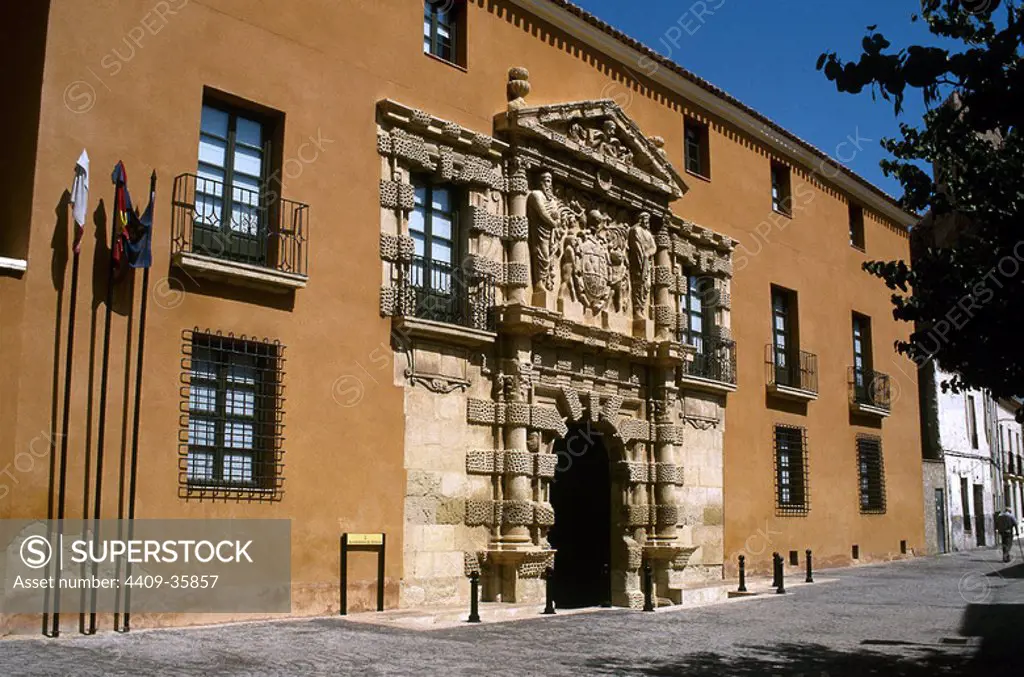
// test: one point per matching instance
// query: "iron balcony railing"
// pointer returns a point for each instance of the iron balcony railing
(239, 224)
(433, 290)
(715, 359)
(791, 369)
(870, 388)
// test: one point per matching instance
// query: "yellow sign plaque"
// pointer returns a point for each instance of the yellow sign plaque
(365, 539)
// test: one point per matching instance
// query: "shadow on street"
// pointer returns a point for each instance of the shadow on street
(812, 660)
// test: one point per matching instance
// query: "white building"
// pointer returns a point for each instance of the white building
(959, 435)
(1011, 456)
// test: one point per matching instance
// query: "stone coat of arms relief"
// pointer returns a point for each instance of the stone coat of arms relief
(597, 255)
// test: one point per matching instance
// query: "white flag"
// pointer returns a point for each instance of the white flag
(80, 198)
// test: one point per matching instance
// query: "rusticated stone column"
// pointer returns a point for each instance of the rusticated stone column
(518, 269)
(664, 300)
(665, 471)
(517, 506)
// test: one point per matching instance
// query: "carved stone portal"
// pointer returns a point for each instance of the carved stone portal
(572, 203)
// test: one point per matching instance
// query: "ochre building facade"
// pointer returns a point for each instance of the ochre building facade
(504, 285)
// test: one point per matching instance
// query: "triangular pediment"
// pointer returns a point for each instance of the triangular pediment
(599, 131)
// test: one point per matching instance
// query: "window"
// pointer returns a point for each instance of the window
(862, 371)
(857, 227)
(695, 310)
(698, 154)
(232, 424)
(433, 226)
(872, 474)
(784, 346)
(791, 469)
(972, 425)
(781, 201)
(444, 30)
(965, 501)
(231, 218)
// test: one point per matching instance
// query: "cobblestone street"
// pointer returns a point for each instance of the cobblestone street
(949, 615)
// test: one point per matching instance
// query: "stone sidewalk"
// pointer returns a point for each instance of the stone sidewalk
(944, 615)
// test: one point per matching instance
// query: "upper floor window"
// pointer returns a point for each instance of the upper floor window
(972, 424)
(231, 156)
(232, 212)
(862, 366)
(784, 331)
(698, 157)
(697, 318)
(444, 30)
(231, 207)
(232, 428)
(434, 228)
(715, 355)
(781, 194)
(857, 227)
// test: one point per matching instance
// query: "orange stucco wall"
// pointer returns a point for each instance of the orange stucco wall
(325, 64)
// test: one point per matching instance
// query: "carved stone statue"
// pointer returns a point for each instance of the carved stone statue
(611, 145)
(545, 214)
(604, 140)
(567, 289)
(641, 253)
(550, 220)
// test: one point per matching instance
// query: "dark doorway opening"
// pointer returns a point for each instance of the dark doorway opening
(581, 497)
(940, 519)
(979, 514)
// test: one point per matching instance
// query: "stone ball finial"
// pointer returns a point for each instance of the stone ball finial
(518, 87)
(659, 143)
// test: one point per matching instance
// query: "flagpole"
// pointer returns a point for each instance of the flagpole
(134, 463)
(101, 428)
(62, 490)
(80, 199)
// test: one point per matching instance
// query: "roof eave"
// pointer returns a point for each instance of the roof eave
(592, 31)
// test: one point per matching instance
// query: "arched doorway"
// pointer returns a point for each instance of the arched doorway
(581, 495)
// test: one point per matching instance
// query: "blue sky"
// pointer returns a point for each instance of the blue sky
(764, 53)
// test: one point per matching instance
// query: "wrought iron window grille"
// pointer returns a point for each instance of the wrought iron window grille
(231, 437)
(871, 474)
(792, 496)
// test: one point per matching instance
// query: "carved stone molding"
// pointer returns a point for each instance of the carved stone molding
(437, 384)
(699, 423)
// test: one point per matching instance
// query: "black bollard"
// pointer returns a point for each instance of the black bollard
(743, 574)
(810, 569)
(474, 597)
(549, 592)
(648, 587)
(781, 590)
(776, 557)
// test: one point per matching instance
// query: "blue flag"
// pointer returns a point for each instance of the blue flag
(138, 235)
(134, 245)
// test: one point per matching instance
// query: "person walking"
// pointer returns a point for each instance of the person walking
(1006, 526)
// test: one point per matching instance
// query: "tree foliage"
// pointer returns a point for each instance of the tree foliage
(964, 292)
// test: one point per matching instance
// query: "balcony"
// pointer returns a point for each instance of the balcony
(793, 375)
(444, 303)
(713, 366)
(870, 392)
(239, 236)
